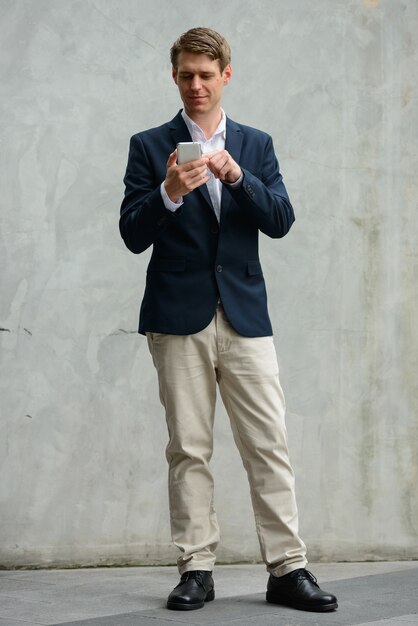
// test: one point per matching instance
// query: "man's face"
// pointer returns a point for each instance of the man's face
(200, 82)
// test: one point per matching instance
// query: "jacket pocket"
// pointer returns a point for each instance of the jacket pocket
(167, 265)
(254, 268)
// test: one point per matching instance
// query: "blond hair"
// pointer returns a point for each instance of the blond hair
(202, 41)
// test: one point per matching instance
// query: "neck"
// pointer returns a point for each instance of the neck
(208, 122)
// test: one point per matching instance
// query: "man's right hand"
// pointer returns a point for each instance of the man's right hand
(182, 179)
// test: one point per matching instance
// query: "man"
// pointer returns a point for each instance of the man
(204, 313)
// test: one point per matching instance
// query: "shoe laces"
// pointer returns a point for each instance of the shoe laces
(303, 574)
(195, 575)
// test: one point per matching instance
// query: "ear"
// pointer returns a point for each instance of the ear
(174, 73)
(227, 74)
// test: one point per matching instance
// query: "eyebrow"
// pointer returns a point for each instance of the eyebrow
(190, 72)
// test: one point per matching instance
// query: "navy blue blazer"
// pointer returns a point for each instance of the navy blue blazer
(194, 259)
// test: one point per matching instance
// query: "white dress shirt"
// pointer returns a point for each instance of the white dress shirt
(215, 142)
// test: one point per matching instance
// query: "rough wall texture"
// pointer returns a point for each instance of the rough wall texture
(83, 474)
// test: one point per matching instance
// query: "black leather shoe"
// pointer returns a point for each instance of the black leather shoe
(300, 590)
(194, 589)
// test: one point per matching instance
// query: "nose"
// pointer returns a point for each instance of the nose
(196, 83)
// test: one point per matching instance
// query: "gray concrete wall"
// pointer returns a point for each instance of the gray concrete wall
(83, 474)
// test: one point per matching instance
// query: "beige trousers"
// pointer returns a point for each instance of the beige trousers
(189, 368)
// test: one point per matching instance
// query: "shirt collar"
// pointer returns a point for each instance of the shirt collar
(193, 128)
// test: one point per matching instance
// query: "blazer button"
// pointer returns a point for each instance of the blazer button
(215, 230)
(219, 268)
(251, 191)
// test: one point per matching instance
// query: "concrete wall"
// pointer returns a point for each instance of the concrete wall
(83, 474)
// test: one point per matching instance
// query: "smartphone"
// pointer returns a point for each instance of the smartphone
(188, 151)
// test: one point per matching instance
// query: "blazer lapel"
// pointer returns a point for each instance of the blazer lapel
(233, 145)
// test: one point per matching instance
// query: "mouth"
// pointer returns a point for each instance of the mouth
(197, 98)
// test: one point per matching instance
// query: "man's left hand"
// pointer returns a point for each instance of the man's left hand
(223, 166)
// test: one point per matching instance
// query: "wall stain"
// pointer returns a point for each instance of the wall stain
(5, 330)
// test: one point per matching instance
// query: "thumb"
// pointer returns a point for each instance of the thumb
(172, 158)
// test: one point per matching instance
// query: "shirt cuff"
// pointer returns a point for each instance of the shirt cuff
(237, 182)
(169, 204)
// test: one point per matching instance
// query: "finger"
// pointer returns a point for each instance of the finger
(192, 179)
(216, 166)
(198, 173)
(191, 165)
(195, 182)
(201, 180)
(215, 157)
(211, 155)
(172, 158)
(194, 174)
(213, 169)
(224, 168)
(217, 154)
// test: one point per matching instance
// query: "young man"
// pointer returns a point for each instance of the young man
(205, 315)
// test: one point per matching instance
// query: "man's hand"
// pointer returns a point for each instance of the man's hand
(223, 166)
(182, 179)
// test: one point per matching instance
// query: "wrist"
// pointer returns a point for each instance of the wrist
(168, 203)
(236, 180)
(172, 195)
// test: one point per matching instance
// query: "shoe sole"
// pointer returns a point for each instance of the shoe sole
(176, 606)
(303, 607)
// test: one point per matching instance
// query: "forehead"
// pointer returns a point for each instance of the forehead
(190, 62)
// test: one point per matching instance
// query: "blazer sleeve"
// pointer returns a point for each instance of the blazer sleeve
(143, 215)
(266, 198)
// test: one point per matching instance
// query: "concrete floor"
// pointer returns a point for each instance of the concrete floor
(369, 594)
